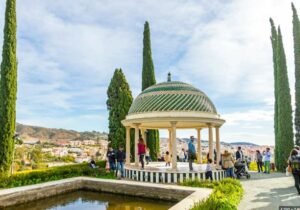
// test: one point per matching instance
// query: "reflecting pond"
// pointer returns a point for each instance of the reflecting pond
(87, 200)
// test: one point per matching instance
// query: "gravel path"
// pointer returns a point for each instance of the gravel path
(268, 192)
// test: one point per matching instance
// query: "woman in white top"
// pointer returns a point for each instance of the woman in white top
(181, 155)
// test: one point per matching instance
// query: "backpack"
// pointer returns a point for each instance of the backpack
(295, 164)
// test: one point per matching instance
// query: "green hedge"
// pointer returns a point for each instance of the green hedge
(55, 173)
(226, 194)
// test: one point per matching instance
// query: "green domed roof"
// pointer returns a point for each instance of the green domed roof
(172, 96)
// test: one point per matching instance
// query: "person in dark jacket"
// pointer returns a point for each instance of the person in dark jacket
(111, 159)
(120, 156)
(294, 163)
(259, 161)
(239, 156)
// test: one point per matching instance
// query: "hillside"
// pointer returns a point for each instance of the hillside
(41, 133)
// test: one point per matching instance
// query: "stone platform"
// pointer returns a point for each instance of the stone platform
(157, 172)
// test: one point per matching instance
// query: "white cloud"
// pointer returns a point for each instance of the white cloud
(68, 50)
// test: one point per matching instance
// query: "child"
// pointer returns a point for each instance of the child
(147, 156)
(208, 172)
(167, 158)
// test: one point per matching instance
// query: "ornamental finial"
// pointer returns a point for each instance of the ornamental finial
(169, 77)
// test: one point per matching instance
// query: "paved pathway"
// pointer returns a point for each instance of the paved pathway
(268, 192)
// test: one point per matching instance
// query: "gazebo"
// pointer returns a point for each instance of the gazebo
(173, 105)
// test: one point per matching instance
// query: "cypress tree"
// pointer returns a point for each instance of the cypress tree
(148, 79)
(8, 88)
(274, 44)
(296, 36)
(118, 104)
(285, 121)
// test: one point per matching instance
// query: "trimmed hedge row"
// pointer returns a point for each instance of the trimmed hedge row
(55, 173)
(226, 194)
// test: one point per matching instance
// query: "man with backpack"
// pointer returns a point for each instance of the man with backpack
(294, 164)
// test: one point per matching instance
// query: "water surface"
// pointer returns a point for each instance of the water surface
(86, 200)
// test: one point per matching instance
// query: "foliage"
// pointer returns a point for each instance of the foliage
(296, 36)
(226, 194)
(274, 44)
(55, 173)
(283, 122)
(118, 104)
(8, 88)
(148, 79)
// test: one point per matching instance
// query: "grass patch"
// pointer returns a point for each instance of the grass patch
(55, 173)
(226, 194)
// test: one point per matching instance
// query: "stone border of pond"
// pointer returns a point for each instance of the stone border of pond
(185, 196)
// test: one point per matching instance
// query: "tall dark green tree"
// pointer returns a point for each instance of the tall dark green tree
(8, 88)
(296, 35)
(285, 121)
(148, 79)
(118, 104)
(274, 44)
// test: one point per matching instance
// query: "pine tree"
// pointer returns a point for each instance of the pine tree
(274, 44)
(118, 104)
(296, 36)
(8, 88)
(285, 120)
(148, 79)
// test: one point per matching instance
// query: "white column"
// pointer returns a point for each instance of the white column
(199, 154)
(174, 146)
(136, 141)
(170, 141)
(218, 145)
(127, 145)
(210, 142)
(144, 135)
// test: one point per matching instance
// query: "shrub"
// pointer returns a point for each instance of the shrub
(55, 173)
(226, 194)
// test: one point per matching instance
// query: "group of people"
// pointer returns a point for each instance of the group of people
(116, 160)
(263, 159)
(228, 162)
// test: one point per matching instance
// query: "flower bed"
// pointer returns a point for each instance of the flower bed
(55, 173)
(226, 194)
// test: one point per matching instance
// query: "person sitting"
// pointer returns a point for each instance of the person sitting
(93, 163)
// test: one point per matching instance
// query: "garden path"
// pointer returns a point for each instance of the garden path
(268, 192)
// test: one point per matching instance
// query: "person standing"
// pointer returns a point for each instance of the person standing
(239, 155)
(141, 151)
(228, 163)
(147, 156)
(111, 158)
(168, 158)
(181, 155)
(259, 161)
(294, 163)
(191, 153)
(267, 161)
(120, 156)
(208, 171)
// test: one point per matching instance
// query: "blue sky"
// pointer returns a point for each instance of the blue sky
(69, 49)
